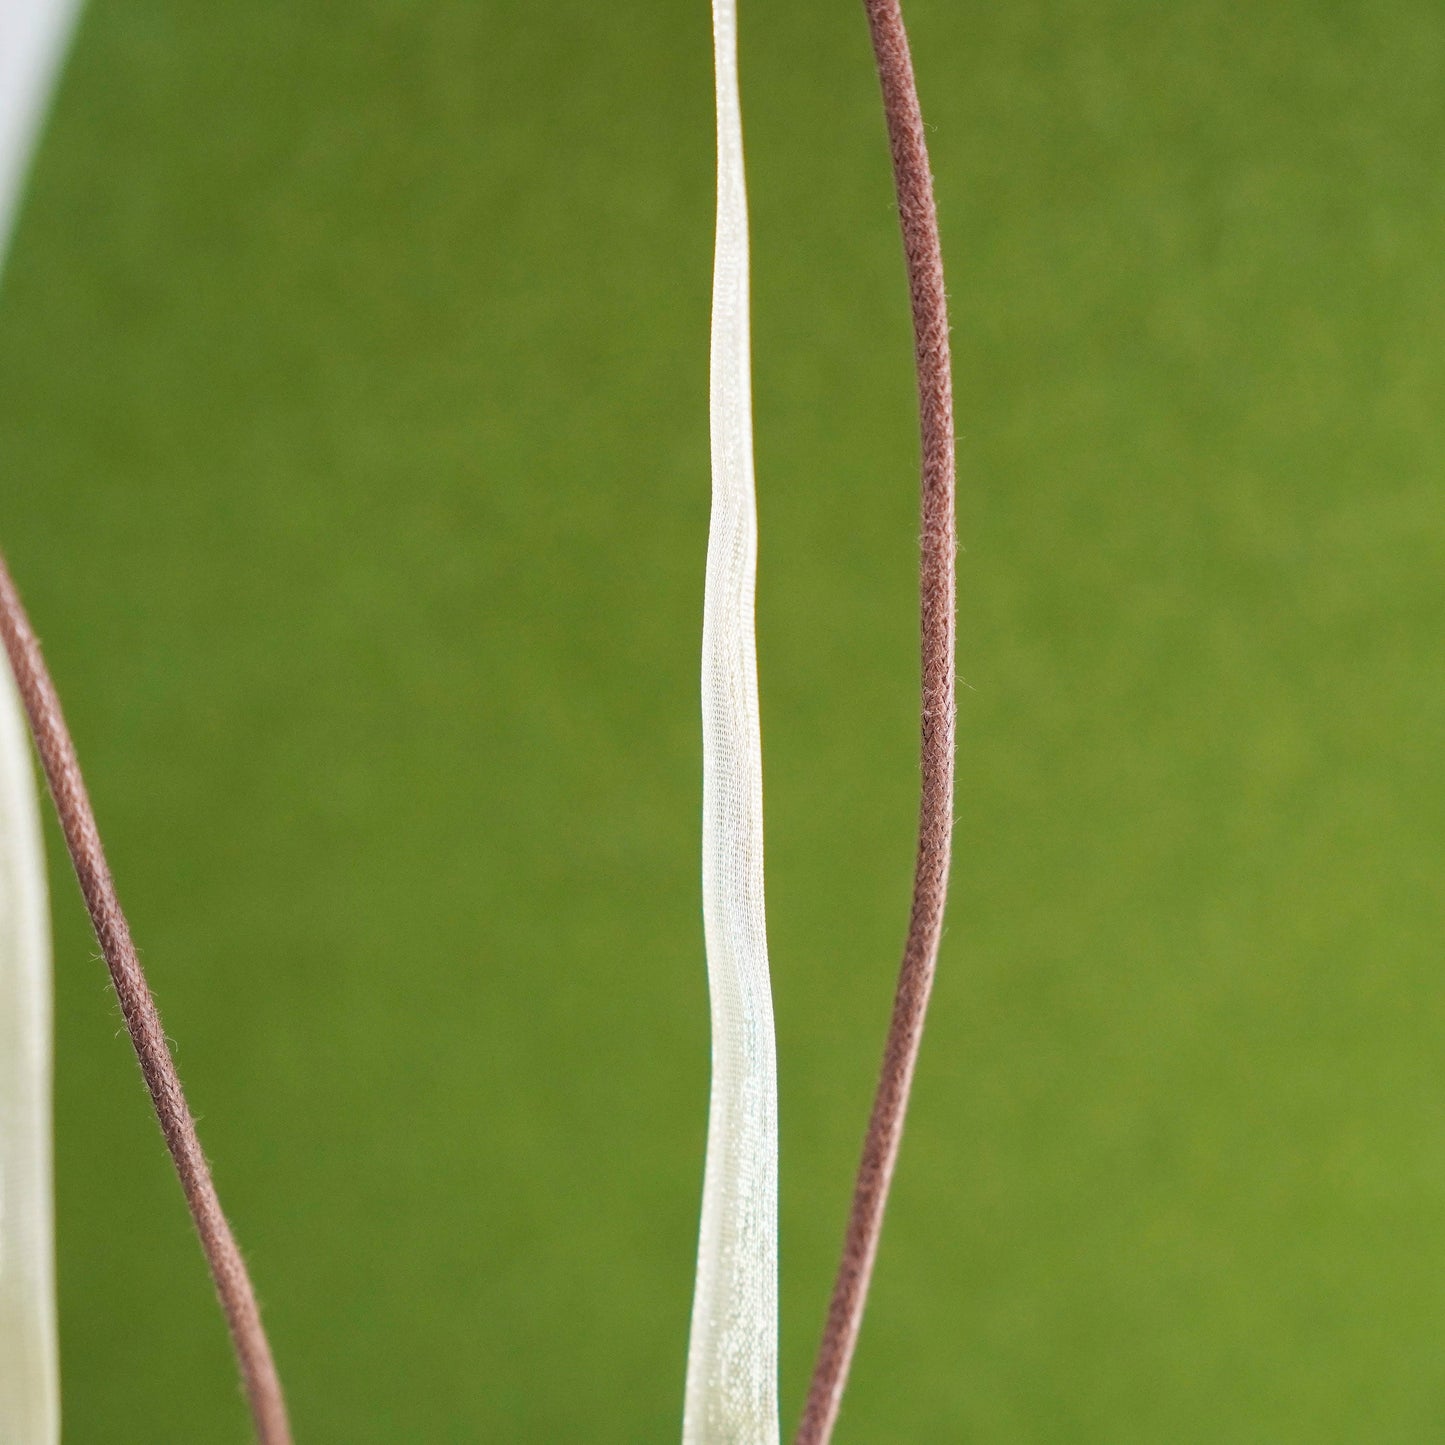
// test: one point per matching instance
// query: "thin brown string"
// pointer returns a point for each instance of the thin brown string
(914, 185)
(67, 787)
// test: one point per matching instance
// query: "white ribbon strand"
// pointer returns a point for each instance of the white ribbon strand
(33, 34)
(29, 1372)
(732, 1371)
(32, 41)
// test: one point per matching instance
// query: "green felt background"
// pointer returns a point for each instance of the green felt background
(353, 461)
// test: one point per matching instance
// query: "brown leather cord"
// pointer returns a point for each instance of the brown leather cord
(67, 787)
(914, 185)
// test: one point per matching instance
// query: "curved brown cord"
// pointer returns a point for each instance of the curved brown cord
(67, 787)
(914, 185)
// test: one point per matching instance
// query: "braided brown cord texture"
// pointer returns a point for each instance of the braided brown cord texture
(67, 787)
(914, 185)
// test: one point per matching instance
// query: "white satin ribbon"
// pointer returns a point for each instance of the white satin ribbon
(29, 1372)
(732, 1370)
(33, 34)
(32, 40)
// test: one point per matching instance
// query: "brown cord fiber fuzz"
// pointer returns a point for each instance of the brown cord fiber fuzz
(914, 185)
(67, 787)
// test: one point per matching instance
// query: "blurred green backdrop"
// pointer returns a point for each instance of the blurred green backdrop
(353, 461)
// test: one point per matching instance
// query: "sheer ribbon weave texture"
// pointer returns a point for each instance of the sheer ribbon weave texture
(732, 1373)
